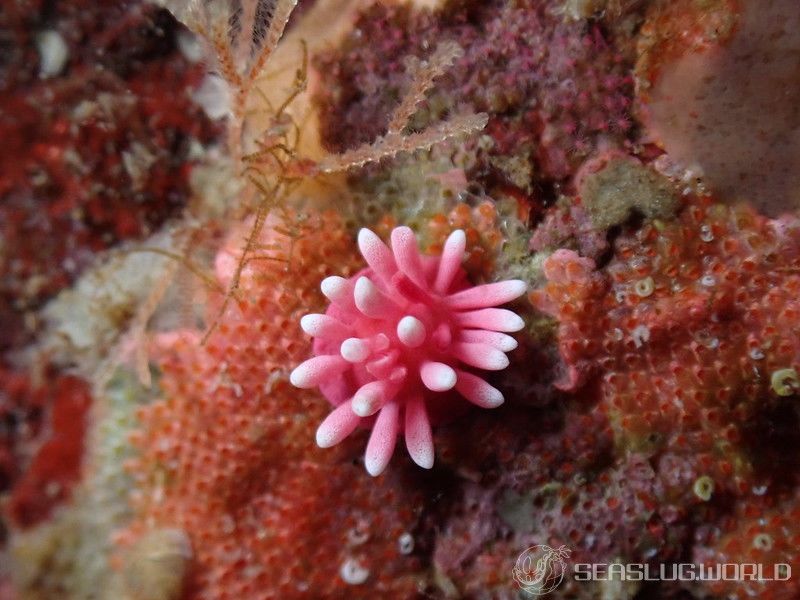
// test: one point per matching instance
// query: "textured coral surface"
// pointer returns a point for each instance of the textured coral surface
(555, 90)
(228, 453)
(688, 332)
(650, 408)
(98, 122)
(686, 326)
(758, 534)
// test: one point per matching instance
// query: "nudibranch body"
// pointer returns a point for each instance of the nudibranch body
(398, 337)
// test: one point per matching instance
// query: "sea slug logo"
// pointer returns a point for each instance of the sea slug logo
(541, 568)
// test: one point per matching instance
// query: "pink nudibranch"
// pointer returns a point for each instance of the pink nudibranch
(398, 336)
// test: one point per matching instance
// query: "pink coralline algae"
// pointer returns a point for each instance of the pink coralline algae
(398, 336)
(555, 90)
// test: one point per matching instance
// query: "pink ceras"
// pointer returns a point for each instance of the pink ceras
(399, 335)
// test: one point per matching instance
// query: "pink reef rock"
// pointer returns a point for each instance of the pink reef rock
(398, 337)
(726, 105)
